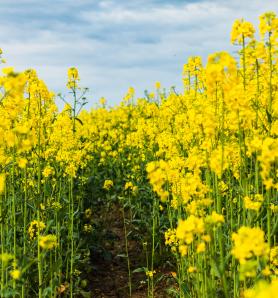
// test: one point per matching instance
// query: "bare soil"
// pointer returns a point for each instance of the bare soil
(109, 277)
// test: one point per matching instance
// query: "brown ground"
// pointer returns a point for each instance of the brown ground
(109, 277)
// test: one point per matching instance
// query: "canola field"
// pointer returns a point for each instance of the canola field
(195, 172)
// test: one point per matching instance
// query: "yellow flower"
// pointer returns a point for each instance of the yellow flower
(253, 202)
(183, 249)
(249, 242)
(157, 85)
(88, 213)
(34, 228)
(102, 101)
(2, 182)
(128, 185)
(190, 227)
(241, 29)
(192, 269)
(266, 271)
(273, 256)
(48, 242)
(8, 70)
(206, 238)
(150, 274)
(174, 249)
(108, 184)
(22, 162)
(174, 274)
(201, 247)
(88, 228)
(268, 21)
(5, 258)
(215, 218)
(73, 77)
(56, 205)
(274, 208)
(48, 171)
(15, 274)
(263, 290)
(170, 237)
(130, 94)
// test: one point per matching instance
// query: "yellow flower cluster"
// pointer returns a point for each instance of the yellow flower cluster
(129, 186)
(2, 183)
(15, 274)
(248, 243)
(263, 290)
(253, 202)
(190, 227)
(108, 184)
(35, 228)
(215, 218)
(73, 78)
(48, 241)
(170, 237)
(150, 274)
(158, 178)
(242, 30)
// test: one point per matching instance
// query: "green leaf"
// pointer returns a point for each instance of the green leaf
(185, 289)
(121, 256)
(215, 269)
(141, 269)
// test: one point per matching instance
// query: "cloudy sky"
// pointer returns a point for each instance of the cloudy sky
(118, 43)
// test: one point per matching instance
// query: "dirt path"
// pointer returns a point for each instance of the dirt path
(110, 272)
(109, 277)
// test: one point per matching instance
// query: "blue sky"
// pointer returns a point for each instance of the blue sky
(116, 44)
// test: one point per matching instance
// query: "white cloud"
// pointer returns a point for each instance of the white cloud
(167, 14)
(116, 44)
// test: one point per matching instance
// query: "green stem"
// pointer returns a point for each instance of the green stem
(127, 255)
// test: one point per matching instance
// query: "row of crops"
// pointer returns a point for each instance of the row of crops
(195, 172)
